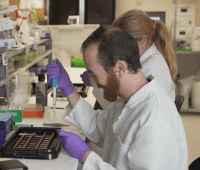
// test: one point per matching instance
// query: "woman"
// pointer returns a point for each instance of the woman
(157, 55)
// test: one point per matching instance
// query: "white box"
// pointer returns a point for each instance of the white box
(185, 21)
(41, 48)
(7, 43)
(42, 32)
(186, 10)
(184, 34)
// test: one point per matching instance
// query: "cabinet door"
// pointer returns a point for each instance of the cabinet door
(59, 10)
(99, 12)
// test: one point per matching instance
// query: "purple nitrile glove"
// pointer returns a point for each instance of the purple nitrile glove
(2, 137)
(86, 78)
(64, 82)
(73, 144)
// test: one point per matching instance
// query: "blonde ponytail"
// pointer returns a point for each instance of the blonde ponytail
(162, 41)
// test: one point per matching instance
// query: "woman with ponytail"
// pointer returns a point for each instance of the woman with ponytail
(157, 55)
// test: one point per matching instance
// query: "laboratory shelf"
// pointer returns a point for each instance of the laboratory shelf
(26, 66)
(37, 59)
(11, 54)
(187, 52)
(190, 110)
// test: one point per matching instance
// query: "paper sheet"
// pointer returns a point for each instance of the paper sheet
(24, 4)
(38, 4)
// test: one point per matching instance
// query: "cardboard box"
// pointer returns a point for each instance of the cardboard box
(40, 13)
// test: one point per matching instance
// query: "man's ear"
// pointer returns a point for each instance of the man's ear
(120, 68)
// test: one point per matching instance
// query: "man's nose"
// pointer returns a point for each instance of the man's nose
(93, 81)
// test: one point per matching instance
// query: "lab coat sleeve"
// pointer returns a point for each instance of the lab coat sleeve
(92, 122)
(95, 162)
(154, 148)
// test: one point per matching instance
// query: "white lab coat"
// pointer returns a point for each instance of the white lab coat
(153, 63)
(146, 133)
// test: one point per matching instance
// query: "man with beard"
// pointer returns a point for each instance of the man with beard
(141, 130)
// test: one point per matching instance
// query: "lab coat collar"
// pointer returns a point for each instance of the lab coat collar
(119, 101)
(148, 53)
(141, 93)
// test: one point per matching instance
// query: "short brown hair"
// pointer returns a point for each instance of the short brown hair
(117, 44)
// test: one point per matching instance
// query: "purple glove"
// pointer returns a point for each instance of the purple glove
(2, 137)
(73, 144)
(86, 78)
(64, 82)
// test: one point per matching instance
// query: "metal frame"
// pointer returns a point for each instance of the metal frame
(48, 12)
(176, 3)
(82, 11)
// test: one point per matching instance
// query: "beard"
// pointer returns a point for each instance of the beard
(111, 89)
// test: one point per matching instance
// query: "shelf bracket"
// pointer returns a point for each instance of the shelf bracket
(34, 45)
(26, 50)
(4, 59)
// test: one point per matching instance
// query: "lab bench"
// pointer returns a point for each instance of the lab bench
(64, 161)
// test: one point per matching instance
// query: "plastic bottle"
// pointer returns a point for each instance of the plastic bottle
(195, 95)
(41, 93)
(19, 19)
(24, 30)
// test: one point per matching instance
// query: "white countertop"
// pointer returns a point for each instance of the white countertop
(64, 161)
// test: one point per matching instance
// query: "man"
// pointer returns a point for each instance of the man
(141, 130)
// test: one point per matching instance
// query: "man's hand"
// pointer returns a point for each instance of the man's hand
(64, 82)
(73, 145)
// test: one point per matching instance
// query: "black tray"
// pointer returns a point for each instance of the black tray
(18, 146)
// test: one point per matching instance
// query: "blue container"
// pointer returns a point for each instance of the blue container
(6, 122)
(2, 137)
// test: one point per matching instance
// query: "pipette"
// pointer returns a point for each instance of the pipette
(54, 86)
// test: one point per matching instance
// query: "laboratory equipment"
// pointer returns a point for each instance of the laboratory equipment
(6, 122)
(24, 29)
(54, 124)
(73, 20)
(2, 137)
(17, 114)
(55, 86)
(25, 124)
(37, 37)
(43, 145)
(41, 94)
(44, 33)
(8, 9)
(3, 101)
(32, 111)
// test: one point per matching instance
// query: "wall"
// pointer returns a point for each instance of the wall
(192, 126)
(147, 5)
